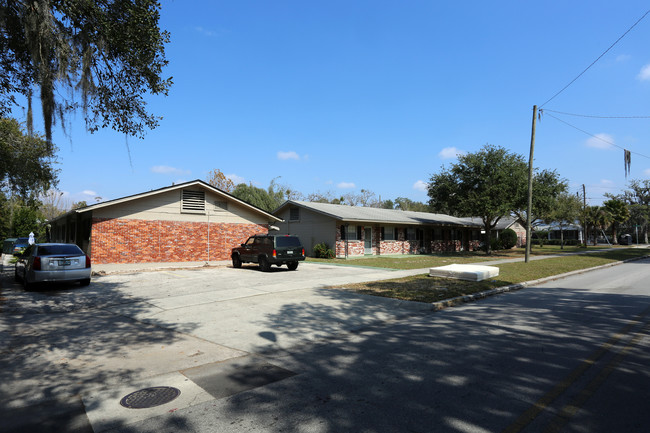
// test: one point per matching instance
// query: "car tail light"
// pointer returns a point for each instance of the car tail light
(275, 254)
(303, 251)
(87, 261)
(36, 264)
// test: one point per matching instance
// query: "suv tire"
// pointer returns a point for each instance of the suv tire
(292, 266)
(265, 266)
(236, 261)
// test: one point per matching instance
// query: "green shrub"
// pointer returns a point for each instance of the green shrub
(495, 244)
(323, 251)
(508, 239)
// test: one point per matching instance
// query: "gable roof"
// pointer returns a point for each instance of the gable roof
(502, 224)
(193, 183)
(377, 215)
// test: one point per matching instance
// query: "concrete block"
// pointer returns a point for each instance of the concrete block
(465, 272)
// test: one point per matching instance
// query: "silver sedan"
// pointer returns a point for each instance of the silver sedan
(52, 262)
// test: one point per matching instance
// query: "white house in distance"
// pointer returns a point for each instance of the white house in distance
(358, 231)
(191, 221)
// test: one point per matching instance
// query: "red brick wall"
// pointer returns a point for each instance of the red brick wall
(141, 241)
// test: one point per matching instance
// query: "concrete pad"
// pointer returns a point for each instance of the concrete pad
(105, 412)
(465, 272)
(223, 379)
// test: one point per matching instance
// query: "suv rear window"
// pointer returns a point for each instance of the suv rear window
(287, 241)
(46, 250)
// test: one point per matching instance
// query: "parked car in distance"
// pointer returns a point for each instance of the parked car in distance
(52, 262)
(19, 245)
(267, 250)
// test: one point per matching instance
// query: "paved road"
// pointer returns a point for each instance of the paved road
(277, 352)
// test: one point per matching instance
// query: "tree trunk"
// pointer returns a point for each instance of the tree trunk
(615, 241)
(561, 238)
(488, 240)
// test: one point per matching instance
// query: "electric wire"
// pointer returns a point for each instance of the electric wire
(592, 116)
(594, 62)
(595, 136)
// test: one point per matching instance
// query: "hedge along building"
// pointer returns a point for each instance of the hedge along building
(359, 231)
(192, 221)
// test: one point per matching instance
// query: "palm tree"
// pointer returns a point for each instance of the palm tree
(618, 212)
(597, 219)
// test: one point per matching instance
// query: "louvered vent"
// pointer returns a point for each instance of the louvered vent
(193, 201)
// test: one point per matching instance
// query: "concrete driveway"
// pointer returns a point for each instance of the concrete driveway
(86, 348)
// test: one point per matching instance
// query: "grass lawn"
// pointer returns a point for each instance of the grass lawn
(429, 260)
(423, 288)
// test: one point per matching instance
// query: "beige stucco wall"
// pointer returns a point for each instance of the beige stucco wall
(167, 207)
(312, 228)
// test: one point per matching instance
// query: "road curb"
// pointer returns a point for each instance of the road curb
(441, 305)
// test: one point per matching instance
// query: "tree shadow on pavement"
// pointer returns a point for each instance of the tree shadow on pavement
(471, 368)
(57, 342)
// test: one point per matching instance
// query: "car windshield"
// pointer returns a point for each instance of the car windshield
(287, 241)
(48, 250)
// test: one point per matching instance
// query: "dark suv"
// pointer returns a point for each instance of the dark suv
(267, 250)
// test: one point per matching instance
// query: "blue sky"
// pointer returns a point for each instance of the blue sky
(341, 96)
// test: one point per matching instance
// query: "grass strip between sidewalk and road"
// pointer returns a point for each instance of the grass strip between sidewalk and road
(422, 288)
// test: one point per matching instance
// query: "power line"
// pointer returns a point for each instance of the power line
(595, 136)
(595, 117)
(594, 62)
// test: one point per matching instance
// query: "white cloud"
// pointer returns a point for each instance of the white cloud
(205, 32)
(288, 155)
(600, 141)
(623, 58)
(420, 185)
(450, 152)
(89, 192)
(606, 182)
(165, 169)
(346, 185)
(647, 172)
(644, 75)
(235, 179)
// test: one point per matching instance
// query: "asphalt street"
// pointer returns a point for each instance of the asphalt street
(251, 351)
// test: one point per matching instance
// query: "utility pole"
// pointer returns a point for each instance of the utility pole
(584, 214)
(530, 184)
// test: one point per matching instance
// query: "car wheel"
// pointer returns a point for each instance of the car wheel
(292, 266)
(236, 261)
(85, 282)
(26, 284)
(265, 266)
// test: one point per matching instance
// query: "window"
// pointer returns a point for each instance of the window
(359, 233)
(353, 233)
(388, 234)
(294, 214)
(193, 201)
(419, 235)
(410, 234)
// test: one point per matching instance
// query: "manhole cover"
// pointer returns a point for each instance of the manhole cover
(150, 397)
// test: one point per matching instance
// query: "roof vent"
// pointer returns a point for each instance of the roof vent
(193, 201)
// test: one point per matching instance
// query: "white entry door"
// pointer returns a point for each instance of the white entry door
(368, 240)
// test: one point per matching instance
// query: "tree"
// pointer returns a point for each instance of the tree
(26, 162)
(219, 180)
(566, 210)
(639, 217)
(266, 199)
(365, 198)
(547, 187)
(597, 219)
(638, 197)
(110, 52)
(53, 204)
(485, 184)
(618, 213)
(403, 203)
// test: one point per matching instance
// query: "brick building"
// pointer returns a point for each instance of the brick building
(359, 231)
(192, 221)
